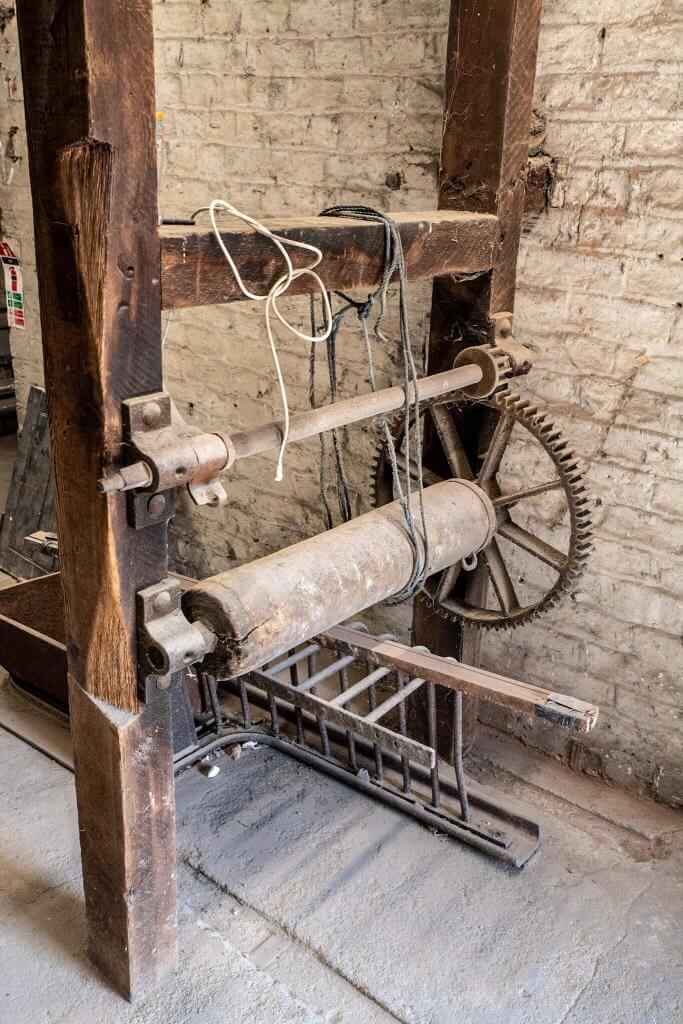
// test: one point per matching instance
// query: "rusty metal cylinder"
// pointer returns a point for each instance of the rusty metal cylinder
(263, 608)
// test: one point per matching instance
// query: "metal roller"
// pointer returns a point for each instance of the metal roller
(263, 608)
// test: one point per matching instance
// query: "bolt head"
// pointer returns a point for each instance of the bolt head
(156, 505)
(151, 414)
(162, 603)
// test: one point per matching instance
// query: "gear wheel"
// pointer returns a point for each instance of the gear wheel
(501, 411)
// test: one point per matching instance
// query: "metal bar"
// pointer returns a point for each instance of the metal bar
(457, 755)
(396, 698)
(293, 659)
(360, 686)
(514, 847)
(403, 728)
(351, 410)
(244, 701)
(482, 799)
(568, 712)
(432, 739)
(317, 707)
(350, 741)
(325, 673)
(294, 679)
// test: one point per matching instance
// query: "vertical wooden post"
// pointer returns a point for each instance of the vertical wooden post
(490, 72)
(88, 77)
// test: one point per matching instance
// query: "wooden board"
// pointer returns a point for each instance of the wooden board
(194, 270)
(557, 708)
(30, 502)
(490, 72)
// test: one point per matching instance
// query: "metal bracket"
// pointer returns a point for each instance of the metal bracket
(170, 454)
(520, 358)
(168, 641)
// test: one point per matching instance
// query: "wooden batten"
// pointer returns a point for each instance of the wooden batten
(435, 243)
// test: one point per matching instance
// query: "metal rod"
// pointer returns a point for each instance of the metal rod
(485, 802)
(350, 740)
(293, 661)
(360, 687)
(244, 701)
(432, 734)
(457, 756)
(499, 845)
(294, 658)
(396, 698)
(344, 719)
(325, 673)
(352, 410)
(401, 682)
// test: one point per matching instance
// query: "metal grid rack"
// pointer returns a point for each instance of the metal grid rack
(348, 718)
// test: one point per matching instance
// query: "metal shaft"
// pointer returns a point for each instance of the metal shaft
(264, 608)
(352, 410)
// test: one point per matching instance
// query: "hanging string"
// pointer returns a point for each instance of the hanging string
(278, 289)
(393, 267)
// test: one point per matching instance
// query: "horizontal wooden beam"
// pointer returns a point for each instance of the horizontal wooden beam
(435, 243)
(32, 647)
(556, 708)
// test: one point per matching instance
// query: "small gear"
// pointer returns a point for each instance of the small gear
(445, 592)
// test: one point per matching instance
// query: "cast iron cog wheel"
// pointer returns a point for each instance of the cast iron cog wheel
(508, 424)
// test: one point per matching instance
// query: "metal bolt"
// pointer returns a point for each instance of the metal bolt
(156, 505)
(151, 414)
(162, 603)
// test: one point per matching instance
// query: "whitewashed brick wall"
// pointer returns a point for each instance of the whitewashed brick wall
(287, 106)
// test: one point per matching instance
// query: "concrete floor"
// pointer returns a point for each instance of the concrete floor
(302, 901)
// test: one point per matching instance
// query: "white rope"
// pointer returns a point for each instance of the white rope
(279, 288)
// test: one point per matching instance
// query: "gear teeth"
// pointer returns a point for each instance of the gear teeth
(572, 477)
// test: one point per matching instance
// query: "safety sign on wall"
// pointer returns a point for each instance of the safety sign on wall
(14, 286)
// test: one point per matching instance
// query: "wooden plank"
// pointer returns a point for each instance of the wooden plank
(194, 271)
(30, 503)
(36, 661)
(557, 708)
(89, 95)
(37, 603)
(491, 66)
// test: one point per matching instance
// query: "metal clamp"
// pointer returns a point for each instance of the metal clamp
(170, 454)
(168, 641)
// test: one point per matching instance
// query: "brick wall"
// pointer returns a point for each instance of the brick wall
(287, 106)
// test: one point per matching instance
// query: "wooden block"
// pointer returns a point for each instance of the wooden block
(194, 271)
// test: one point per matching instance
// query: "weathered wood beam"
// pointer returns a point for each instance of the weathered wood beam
(194, 271)
(557, 708)
(88, 76)
(490, 72)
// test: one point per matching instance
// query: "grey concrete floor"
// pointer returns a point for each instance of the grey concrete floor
(303, 901)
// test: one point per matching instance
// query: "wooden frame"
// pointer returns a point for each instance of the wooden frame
(89, 94)
(483, 169)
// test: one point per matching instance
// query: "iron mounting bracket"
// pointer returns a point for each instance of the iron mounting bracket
(169, 454)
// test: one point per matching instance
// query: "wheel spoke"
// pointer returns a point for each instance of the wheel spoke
(496, 449)
(451, 442)
(428, 477)
(533, 545)
(511, 499)
(448, 581)
(500, 578)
